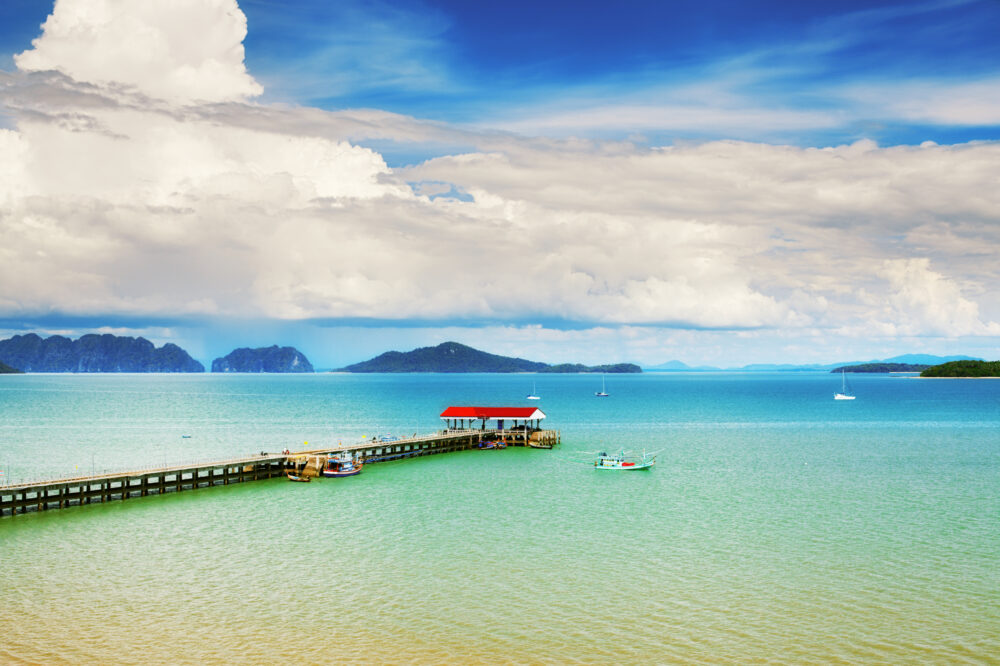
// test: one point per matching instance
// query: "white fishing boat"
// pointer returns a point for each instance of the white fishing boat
(603, 392)
(844, 394)
(621, 461)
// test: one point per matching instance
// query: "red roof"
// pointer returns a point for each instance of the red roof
(526, 413)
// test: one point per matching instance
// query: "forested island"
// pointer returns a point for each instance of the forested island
(94, 353)
(7, 370)
(964, 369)
(455, 357)
(883, 367)
(263, 359)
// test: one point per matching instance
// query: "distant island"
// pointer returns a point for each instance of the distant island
(263, 359)
(614, 368)
(7, 370)
(964, 369)
(94, 353)
(883, 367)
(455, 357)
(916, 361)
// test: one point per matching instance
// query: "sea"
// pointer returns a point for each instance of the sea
(778, 526)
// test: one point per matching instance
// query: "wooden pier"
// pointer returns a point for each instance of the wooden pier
(75, 491)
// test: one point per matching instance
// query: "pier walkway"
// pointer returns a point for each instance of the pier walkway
(73, 491)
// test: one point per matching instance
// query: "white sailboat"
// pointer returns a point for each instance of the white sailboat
(533, 395)
(844, 394)
(603, 392)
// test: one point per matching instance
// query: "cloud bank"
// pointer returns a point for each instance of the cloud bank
(139, 176)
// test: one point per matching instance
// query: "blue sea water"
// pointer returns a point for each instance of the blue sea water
(779, 525)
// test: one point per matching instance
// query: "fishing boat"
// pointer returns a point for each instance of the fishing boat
(342, 465)
(491, 444)
(533, 395)
(603, 392)
(844, 393)
(298, 477)
(620, 461)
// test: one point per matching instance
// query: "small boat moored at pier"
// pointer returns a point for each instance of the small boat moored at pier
(619, 461)
(298, 477)
(342, 465)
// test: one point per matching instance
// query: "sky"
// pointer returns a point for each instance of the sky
(721, 183)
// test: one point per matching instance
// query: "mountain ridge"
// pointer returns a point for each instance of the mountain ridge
(455, 357)
(94, 353)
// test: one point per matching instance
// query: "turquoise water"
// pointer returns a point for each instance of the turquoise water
(779, 525)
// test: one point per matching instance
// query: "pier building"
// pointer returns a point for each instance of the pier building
(514, 426)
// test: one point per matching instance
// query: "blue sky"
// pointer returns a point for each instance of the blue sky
(832, 68)
(472, 63)
(475, 64)
(719, 182)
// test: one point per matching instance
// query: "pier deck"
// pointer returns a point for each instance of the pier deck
(74, 491)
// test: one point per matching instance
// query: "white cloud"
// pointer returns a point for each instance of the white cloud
(13, 157)
(736, 118)
(114, 203)
(927, 302)
(181, 50)
(931, 101)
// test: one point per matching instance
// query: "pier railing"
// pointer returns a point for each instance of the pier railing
(53, 493)
(98, 474)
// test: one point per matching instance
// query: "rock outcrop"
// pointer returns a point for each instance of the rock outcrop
(263, 359)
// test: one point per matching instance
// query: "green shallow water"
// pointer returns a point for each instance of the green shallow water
(779, 526)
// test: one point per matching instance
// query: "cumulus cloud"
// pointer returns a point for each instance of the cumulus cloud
(927, 302)
(154, 186)
(182, 50)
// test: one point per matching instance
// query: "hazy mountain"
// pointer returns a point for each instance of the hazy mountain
(614, 368)
(875, 368)
(678, 366)
(928, 359)
(914, 359)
